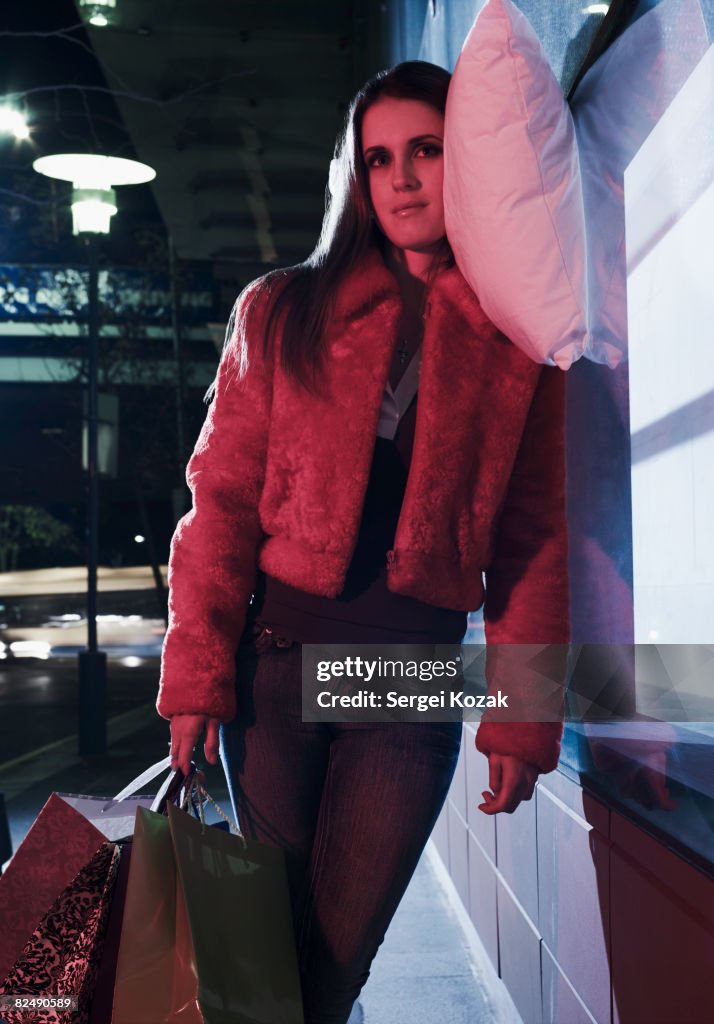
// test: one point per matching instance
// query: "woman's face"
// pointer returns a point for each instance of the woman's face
(403, 150)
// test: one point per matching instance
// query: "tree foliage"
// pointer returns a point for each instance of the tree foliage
(30, 527)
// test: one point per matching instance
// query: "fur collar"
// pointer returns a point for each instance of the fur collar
(371, 283)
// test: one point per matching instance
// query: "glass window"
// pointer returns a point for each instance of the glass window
(641, 433)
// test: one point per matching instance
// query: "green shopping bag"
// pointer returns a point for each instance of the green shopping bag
(207, 935)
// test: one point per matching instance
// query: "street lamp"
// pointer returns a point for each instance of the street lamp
(93, 205)
(93, 197)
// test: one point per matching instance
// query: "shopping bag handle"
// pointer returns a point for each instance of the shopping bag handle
(175, 788)
(148, 775)
(195, 786)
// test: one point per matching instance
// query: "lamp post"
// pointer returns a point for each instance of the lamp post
(93, 205)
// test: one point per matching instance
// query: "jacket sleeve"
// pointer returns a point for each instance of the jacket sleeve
(526, 607)
(213, 558)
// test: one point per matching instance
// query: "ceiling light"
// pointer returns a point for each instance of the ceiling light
(12, 122)
(97, 11)
(596, 9)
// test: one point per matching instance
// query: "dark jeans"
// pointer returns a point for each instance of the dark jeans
(351, 804)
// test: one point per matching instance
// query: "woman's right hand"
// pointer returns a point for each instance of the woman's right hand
(186, 731)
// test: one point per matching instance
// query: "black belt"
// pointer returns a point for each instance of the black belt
(264, 638)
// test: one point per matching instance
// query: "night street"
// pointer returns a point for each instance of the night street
(45, 694)
(357, 385)
(44, 758)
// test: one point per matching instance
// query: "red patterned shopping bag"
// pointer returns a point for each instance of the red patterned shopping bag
(63, 954)
(58, 845)
(66, 833)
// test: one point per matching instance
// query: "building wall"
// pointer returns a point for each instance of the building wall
(586, 917)
(587, 913)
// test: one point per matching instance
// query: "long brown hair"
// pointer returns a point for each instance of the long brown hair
(348, 229)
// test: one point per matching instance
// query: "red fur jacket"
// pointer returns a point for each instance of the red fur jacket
(279, 476)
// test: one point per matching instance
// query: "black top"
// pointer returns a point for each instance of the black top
(366, 611)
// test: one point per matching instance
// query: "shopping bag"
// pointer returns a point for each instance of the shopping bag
(114, 816)
(147, 950)
(57, 846)
(109, 817)
(101, 1006)
(207, 935)
(238, 907)
(66, 833)
(62, 956)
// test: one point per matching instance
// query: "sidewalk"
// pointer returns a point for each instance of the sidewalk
(430, 968)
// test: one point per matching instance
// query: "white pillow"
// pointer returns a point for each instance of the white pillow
(512, 190)
(615, 107)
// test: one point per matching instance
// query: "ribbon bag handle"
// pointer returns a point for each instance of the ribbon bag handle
(148, 775)
(168, 790)
(175, 788)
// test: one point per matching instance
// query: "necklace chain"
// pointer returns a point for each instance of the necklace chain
(404, 344)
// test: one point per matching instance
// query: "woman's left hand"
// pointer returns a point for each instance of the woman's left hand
(511, 780)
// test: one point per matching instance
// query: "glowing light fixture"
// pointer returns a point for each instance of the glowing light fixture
(12, 122)
(93, 198)
(92, 210)
(596, 9)
(97, 11)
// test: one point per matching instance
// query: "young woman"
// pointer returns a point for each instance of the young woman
(353, 508)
